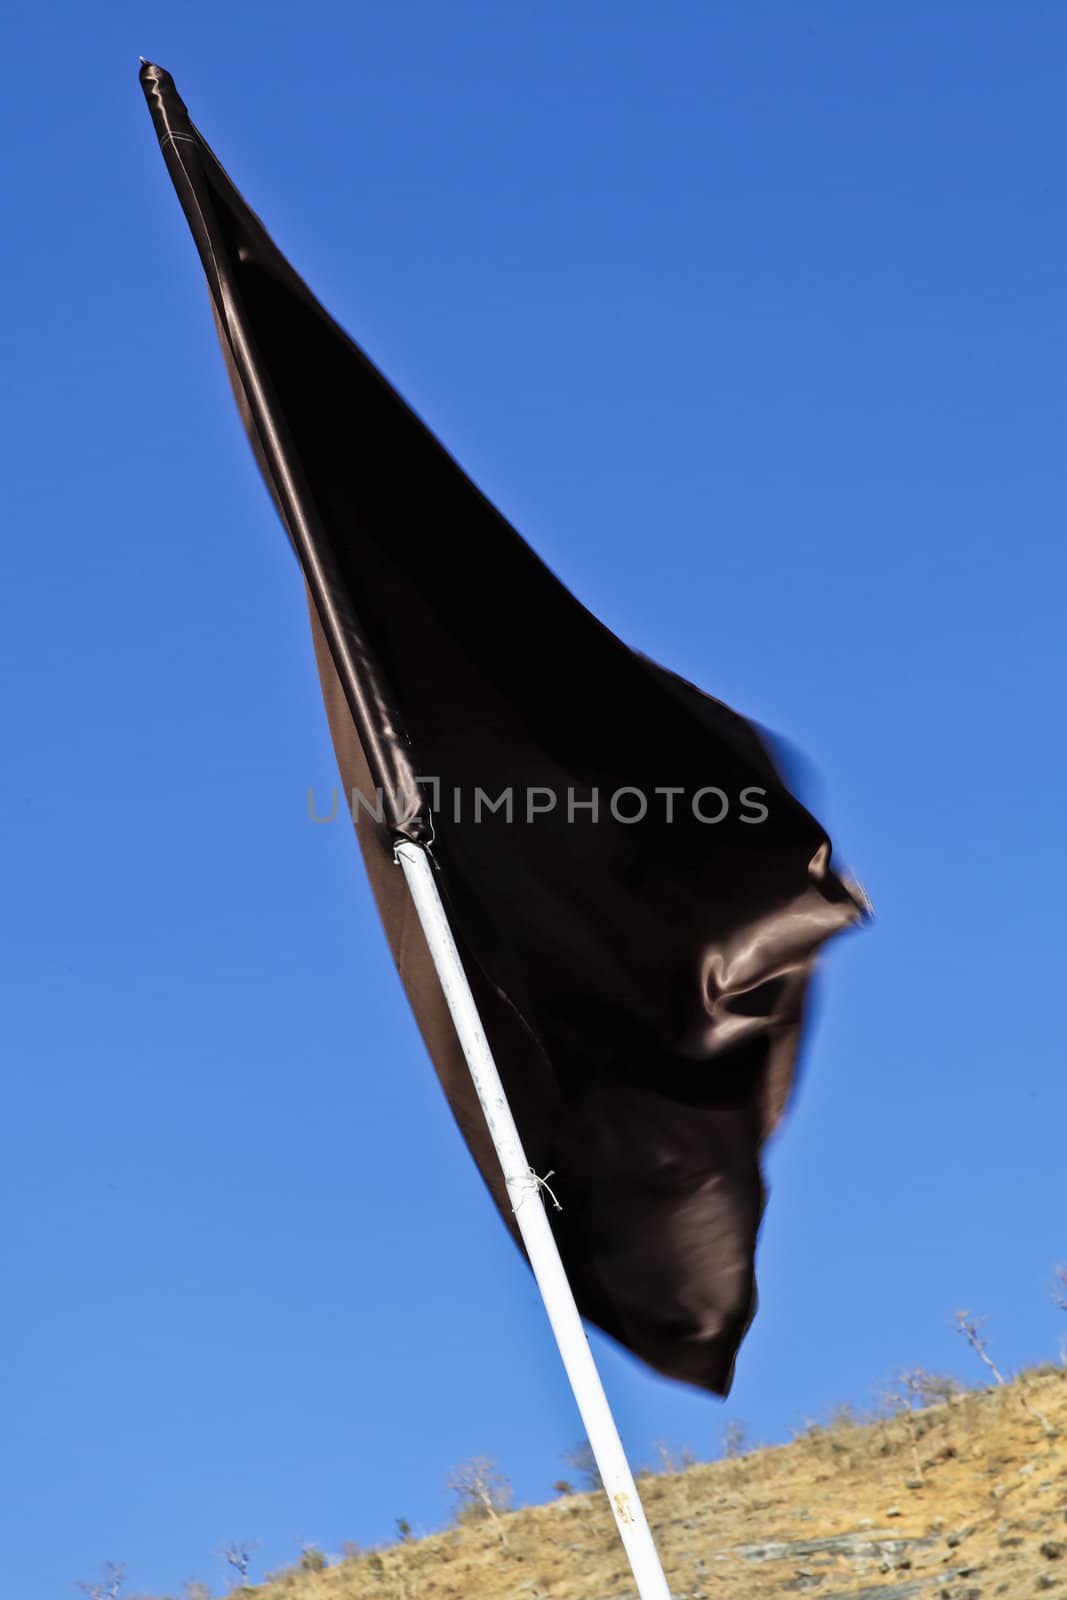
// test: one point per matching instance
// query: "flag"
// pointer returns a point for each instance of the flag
(637, 897)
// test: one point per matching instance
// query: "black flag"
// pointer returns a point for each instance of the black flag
(637, 898)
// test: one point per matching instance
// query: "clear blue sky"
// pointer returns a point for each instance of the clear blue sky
(752, 318)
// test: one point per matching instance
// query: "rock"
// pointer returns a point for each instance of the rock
(895, 1591)
(855, 1547)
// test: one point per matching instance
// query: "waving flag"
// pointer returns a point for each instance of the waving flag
(637, 897)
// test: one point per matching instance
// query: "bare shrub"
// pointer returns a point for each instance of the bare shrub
(971, 1329)
(734, 1439)
(1059, 1287)
(583, 1462)
(239, 1557)
(481, 1490)
(108, 1586)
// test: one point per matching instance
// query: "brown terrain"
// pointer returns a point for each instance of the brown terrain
(964, 1499)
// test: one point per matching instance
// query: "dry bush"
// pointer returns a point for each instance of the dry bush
(107, 1587)
(481, 1490)
(582, 1462)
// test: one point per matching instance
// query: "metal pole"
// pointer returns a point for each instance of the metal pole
(525, 1190)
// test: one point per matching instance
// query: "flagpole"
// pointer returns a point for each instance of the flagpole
(525, 1190)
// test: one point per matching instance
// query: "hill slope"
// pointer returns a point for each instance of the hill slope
(964, 1500)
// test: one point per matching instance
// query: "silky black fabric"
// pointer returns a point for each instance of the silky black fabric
(642, 983)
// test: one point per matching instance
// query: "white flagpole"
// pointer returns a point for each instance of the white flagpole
(525, 1189)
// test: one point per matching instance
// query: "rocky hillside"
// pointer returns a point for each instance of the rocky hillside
(965, 1500)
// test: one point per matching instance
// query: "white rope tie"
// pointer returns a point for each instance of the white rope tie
(530, 1183)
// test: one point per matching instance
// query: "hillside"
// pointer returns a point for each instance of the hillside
(963, 1500)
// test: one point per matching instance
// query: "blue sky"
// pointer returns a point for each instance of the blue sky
(752, 319)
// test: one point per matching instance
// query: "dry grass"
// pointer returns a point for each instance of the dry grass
(986, 1516)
